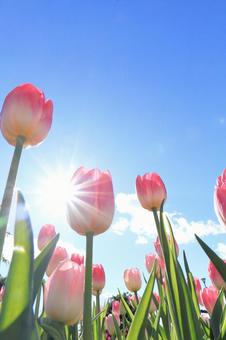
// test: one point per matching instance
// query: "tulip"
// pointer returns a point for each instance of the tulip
(209, 298)
(46, 234)
(77, 258)
(151, 191)
(132, 279)
(198, 290)
(220, 198)
(109, 323)
(26, 113)
(63, 294)
(59, 254)
(158, 247)
(98, 278)
(216, 277)
(154, 303)
(2, 291)
(91, 208)
(90, 212)
(160, 264)
(115, 307)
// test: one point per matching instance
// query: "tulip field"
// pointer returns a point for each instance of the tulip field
(55, 296)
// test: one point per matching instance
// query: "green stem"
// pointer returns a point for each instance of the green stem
(97, 312)
(136, 297)
(155, 213)
(37, 305)
(87, 313)
(74, 332)
(8, 193)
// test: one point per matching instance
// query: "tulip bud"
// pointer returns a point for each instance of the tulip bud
(77, 258)
(198, 290)
(160, 264)
(26, 113)
(91, 209)
(151, 191)
(216, 277)
(154, 303)
(109, 323)
(2, 292)
(98, 281)
(158, 247)
(132, 279)
(59, 254)
(46, 234)
(115, 307)
(63, 295)
(209, 297)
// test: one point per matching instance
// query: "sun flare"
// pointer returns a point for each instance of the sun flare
(55, 191)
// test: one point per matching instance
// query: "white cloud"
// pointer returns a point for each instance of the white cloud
(221, 250)
(132, 217)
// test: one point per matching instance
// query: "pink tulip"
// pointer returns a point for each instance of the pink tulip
(215, 276)
(133, 299)
(91, 208)
(63, 295)
(220, 198)
(2, 292)
(154, 304)
(59, 254)
(132, 279)
(26, 113)
(158, 247)
(98, 278)
(160, 264)
(77, 258)
(109, 323)
(151, 191)
(46, 234)
(198, 290)
(115, 307)
(209, 297)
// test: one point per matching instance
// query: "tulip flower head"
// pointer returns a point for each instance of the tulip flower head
(132, 279)
(160, 264)
(158, 247)
(77, 258)
(154, 303)
(98, 281)
(198, 290)
(46, 234)
(63, 294)
(109, 323)
(91, 208)
(209, 297)
(216, 277)
(220, 198)
(151, 191)
(26, 113)
(59, 254)
(115, 307)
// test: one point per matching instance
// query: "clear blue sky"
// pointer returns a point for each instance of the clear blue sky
(137, 86)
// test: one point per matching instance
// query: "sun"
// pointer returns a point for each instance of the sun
(54, 192)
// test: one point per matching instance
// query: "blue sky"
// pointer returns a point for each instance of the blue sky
(138, 86)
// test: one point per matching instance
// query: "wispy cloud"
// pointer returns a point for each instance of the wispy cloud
(133, 218)
(221, 250)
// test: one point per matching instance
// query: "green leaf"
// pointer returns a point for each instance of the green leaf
(117, 329)
(216, 315)
(142, 309)
(16, 319)
(217, 261)
(41, 263)
(53, 328)
(127, 308)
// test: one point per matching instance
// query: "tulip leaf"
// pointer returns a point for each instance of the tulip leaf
(41, 263)
(217, 261)
(127, 308)
(142, 309)
(216, 315)
(16, 319)
(117, 329)
(53, 328)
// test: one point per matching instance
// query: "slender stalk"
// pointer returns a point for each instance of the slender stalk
(97, 312)
(37, 305)
(74, 332)
(155, 213)
(87, 313)
(8, 193)
(136, 297)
